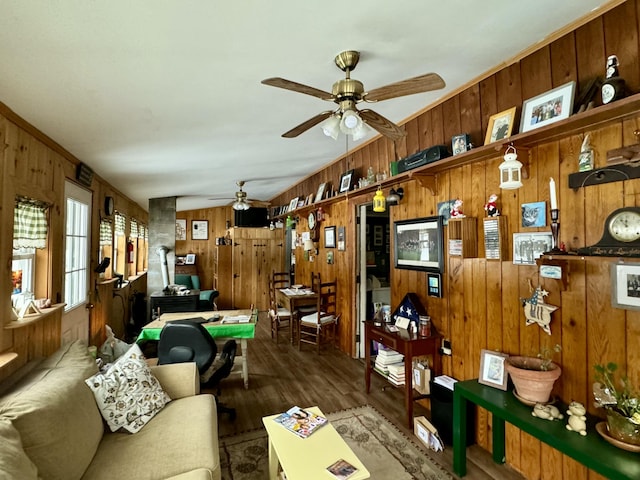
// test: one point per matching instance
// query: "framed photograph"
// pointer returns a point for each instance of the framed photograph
(419, 244)
(293, 204)
(444, 210)
(181, 229)
(534, 214)
(329, 237)
(346, 181)
(500, 126)
(460, 143)
(492, 369)
(190, 259)
(320, 192)
(341, 242)
(625, 285)
(199, 230)
(529, 246)
(547, 108)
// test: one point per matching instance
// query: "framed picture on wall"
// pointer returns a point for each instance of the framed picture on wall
(529, 246)
(190, 259)
(346, 181)
(419, 244)
(625, 285)
(329, 237)
(199, 230)
(181, 229)
(341, 242)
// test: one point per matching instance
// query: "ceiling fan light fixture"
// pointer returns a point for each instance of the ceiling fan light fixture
(240, 205)
(350, 122)
(331, 126)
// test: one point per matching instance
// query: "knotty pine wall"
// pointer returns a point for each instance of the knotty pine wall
(35, 166)
(481, 305)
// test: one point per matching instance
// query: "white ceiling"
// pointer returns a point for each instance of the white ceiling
(163, 97)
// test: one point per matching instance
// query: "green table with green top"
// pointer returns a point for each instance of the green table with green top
(218, 329)
(591, 450)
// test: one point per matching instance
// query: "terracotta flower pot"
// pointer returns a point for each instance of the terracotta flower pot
(532, 384)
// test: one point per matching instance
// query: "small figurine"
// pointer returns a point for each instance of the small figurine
(491, 207)
(577, 421)
(456, 210)
(547, 412)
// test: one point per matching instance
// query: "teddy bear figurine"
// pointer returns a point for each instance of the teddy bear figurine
(546, 412)
(577, 418)
(456, 210)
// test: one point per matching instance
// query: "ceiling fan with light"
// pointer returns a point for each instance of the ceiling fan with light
(240, 201)
(347, 93)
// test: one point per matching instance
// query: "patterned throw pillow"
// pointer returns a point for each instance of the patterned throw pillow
(127, 394)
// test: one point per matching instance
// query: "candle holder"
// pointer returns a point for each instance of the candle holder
(555, 231)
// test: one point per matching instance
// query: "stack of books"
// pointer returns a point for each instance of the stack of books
(396, 374)
(385, 358)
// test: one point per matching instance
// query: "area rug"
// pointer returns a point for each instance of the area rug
(383, 449)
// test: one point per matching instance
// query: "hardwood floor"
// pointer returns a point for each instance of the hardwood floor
(280, 376)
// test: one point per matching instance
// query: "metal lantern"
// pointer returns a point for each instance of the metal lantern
(510, 170)
(379, 202)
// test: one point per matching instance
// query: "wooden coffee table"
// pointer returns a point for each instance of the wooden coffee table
(308, 458)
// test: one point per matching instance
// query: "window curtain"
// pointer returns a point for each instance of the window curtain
(29, 224)
(106, 234)
(120, 222)
(133, 228)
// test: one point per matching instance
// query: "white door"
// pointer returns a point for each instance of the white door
(361, 240)
(77, 240)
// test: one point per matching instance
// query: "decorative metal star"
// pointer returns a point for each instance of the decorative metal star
(537, 311)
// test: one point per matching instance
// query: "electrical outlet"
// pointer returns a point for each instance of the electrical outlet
(446, 347)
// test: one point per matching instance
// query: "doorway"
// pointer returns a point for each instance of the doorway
(374, 265)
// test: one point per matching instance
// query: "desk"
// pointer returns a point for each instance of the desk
(409, 346)
(239, 331)
(308, 458)
(293, 302)
(592, 451)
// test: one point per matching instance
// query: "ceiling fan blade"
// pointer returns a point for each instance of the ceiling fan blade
(297, 87)
(384, 126)
(304, 126)
(410, 86)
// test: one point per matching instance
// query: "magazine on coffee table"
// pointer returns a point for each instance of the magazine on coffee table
(342, 470)
(301, 422)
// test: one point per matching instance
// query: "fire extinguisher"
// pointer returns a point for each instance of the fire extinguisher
(129, 251)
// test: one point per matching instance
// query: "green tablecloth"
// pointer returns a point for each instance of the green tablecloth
(230, 330)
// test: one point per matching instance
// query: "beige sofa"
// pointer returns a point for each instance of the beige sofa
(51, 427)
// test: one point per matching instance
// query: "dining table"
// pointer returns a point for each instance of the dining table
(296, 300)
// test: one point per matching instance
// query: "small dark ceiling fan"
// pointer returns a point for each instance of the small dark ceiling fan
(347, 93)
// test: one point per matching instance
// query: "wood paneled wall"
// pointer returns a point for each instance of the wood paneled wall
(33, 165)
(481, 306)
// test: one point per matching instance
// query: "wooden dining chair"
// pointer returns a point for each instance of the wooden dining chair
(280, 316)
(320, 326)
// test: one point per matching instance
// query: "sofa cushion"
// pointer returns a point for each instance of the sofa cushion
(181, 438)
(56, 415)
(127, 394)
(14, 462)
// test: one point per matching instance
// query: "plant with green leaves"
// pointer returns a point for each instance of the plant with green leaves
(615, 392)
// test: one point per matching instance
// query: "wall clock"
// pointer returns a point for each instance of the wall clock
(108, 206)
(621, 235)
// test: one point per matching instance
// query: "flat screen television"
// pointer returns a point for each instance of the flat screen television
(254, 217)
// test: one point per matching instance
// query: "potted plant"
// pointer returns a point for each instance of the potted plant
(533, 377)
(621, 402)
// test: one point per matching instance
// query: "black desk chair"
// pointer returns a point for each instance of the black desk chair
(187, 341)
